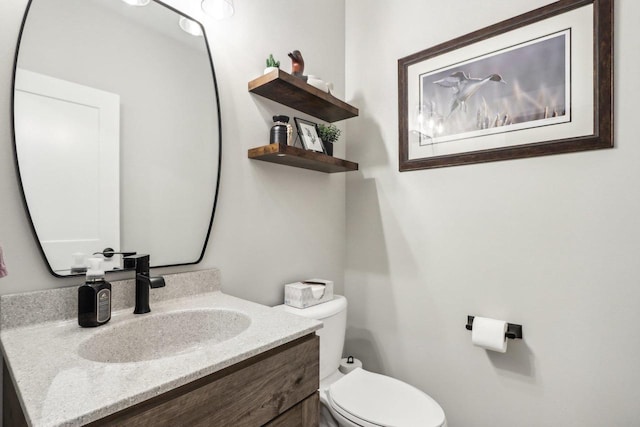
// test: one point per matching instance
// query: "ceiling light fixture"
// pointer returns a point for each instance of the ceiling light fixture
(190, 27)
(137, 2)
(218, 9)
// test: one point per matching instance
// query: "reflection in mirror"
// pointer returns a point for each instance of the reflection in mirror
(117, 131)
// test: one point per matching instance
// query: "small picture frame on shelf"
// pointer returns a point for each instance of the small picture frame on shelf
(309, 135)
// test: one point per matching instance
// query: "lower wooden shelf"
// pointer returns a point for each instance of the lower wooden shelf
(300, 158)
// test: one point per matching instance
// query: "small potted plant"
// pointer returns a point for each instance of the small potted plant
(328, 134)
(272, 64)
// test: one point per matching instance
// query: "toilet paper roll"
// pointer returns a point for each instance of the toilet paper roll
(346, 367)
(489, 334)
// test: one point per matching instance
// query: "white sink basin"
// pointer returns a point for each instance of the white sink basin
(154, 336)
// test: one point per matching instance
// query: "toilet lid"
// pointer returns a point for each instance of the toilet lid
(383, 401)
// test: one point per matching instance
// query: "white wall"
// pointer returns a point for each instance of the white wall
(274, 224)
(549, 242)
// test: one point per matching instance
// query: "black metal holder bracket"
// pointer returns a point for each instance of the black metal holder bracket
(513, 331)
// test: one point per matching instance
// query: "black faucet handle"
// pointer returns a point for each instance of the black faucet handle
(144, 281)
(139, 261)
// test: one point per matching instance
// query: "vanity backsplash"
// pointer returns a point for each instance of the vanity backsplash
(31, 308)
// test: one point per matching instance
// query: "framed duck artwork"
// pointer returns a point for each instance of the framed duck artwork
(540, 83)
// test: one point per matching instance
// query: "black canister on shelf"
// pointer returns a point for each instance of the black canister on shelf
(279, 130)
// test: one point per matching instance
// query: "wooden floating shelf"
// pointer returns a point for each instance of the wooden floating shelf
(300, 158)
(294, 92)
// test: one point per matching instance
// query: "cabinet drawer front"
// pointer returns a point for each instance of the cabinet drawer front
(250, 393)
(305, 414)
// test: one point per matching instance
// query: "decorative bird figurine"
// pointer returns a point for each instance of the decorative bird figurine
(465, 86)
(297, 64)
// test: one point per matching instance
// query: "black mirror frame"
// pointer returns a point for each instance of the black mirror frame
(15, 150)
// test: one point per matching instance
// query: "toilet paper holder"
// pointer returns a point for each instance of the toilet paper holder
(513, 331)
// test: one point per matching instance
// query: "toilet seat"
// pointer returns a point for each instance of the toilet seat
(373, 400)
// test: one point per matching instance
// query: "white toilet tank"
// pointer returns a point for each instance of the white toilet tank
(333, 315)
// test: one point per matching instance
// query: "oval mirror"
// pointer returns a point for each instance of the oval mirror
(116, 130)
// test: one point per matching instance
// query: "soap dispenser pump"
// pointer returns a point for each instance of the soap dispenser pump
(94, 297)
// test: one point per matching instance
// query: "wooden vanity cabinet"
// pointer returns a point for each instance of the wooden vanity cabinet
(277, 388)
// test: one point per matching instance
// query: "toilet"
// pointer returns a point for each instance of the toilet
(361, 398)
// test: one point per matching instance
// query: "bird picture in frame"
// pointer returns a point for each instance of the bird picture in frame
(514, 88)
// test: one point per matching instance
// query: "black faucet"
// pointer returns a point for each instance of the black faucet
(143, 281)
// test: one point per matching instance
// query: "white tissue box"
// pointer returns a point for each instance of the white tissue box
(308, 293)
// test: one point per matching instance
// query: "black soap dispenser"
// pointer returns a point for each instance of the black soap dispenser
(94, 297)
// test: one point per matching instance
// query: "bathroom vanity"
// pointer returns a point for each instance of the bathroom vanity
(199, 358)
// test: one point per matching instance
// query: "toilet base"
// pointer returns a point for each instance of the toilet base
(326, 418)
(330, 418)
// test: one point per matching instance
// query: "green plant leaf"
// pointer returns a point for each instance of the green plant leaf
(328, 133)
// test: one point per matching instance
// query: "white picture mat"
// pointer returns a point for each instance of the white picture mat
(312, 142)
(582, 94)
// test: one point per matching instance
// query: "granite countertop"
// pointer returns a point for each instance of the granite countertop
(57, 387)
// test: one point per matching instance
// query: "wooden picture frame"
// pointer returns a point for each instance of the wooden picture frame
(537, 84)
(308, 133)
